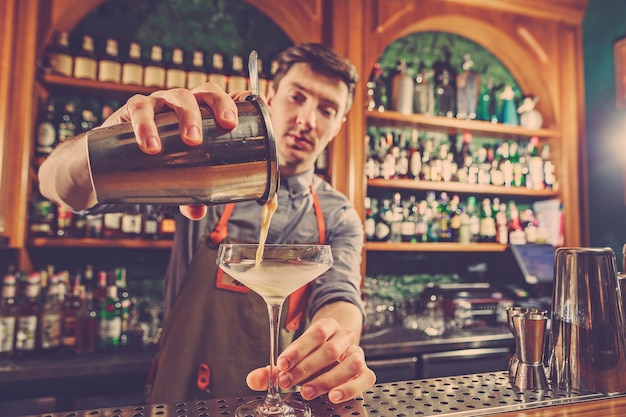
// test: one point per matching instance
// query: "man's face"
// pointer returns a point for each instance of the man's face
(307, 111)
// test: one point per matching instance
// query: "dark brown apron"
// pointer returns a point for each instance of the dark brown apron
(204, 351)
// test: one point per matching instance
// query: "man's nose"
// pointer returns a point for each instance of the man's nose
(307, 117)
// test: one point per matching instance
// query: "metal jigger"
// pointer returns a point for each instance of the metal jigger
(510, 312)
(530, 331)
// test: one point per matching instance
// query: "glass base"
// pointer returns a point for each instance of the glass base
(287, 408)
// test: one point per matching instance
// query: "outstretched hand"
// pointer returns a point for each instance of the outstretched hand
(325, 359)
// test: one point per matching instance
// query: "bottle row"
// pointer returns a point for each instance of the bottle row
(432, 156)
(47, 311)
(444, 90)
(51, 220)
(149, 67)
(64, 116)
(449, 219)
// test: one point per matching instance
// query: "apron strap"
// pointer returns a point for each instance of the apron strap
(220, 231)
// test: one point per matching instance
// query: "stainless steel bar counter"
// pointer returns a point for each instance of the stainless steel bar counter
(465, 395)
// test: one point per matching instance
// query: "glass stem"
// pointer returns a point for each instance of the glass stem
(273, 396)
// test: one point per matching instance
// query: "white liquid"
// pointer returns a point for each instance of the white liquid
(274, 280)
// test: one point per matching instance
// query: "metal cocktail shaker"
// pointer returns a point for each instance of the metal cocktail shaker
(228, 166)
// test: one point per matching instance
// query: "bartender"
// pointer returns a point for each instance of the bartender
(215, 331)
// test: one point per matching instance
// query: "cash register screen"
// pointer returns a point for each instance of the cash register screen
(535, 261)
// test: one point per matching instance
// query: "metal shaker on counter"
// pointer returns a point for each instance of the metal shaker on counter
(228, 166)
(588, 332)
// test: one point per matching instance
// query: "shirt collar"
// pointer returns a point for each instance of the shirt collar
(297, 184)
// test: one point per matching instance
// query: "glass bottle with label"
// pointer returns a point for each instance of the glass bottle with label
(150, 224)
(27, 325)
(59, 58)
(376, 90)
(488, 232)
(86, 320)
(109, 66)
(237, 79)
(154, 71)
(402, 89)
(132, 68)
(71, 305)
(85, 62)
(131, 224)
(67, 120)
(50, 319)
(197, 73)
(167, 225)
(8, 315)
(467, 89)
(109, 321)
(217, 74)
(46, 138)
(42, 217)
(424, 100)
(175, 74)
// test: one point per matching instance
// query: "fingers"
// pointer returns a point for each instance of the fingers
(193, 212)
(345, 381)
(224, 108)
(258, 379)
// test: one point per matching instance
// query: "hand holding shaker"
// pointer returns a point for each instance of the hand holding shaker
(228, 166)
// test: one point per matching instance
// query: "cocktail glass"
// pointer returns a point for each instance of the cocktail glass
(279, 271)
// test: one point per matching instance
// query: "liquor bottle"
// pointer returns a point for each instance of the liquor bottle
(59, 59)
(409, 219)
(516, 230)
(94, 226)
(487, 232)
(131, 224)
(396, 216)
(66, 121)
(154, 70)
(110, 66)
(217, 74)
(42, 218)
(549, 175)
(8, 314)
(445, 85)
(46, 138)
(370, 218)
(424, 100)
(473, 218)
(535, 178)
(109, 321)
(467, 89)
(508, 113)
(27, 324)
(502, 226)
(50, 318)
(87, 114)
(444, 217)
(376, 90)
(415, 156)
(85, 62)
(86, 321)
(237, 79)
(71, 305)
(402, 89)
(132, 68)
(64, 221)
(100, 290)
(112, 225)
(383, 221)
(487, 109)
(167, 225)
(455, 218)
(197, 73)
(88, 281)
(125, 304)
(150, 224)
(176, 74)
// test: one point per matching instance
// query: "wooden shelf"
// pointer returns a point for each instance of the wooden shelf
(452, 125)
(460, 188)
(89, 86)
(99, 243)
(433, 247)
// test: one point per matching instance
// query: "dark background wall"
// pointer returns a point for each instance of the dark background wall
(605, 22)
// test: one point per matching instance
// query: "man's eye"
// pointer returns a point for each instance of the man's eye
(329, 112)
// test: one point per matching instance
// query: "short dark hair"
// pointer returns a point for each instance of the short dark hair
(322, 59)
